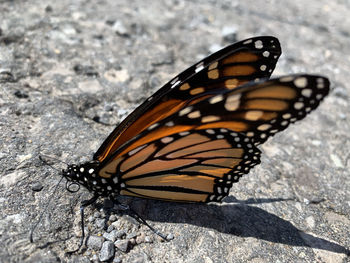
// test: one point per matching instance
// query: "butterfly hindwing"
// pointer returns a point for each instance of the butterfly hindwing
(191, 166)
(239, 63)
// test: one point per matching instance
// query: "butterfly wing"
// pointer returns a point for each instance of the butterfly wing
(227, 69)
(258, 110)
(191, 166)
(195, 154)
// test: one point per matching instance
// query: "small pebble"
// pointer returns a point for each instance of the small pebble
(121, 234)
(112, 236)
(110, 228)
(107, 251)
(95, 242)
(94, 258)
(48, 9)
(102, 213)
(37, 186)
(148, 239)
(113, 218)
(170, 236)
(91, 219)
(100, 223)
(132, 241)
(21, 94)
(97, 214)
(85, 70)
(140, 239)
(131, 235)
(132, 220)
(139, 259)
(117, 260)
(122, 245)
(120, 29)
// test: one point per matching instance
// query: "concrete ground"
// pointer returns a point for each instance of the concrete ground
(71, 70)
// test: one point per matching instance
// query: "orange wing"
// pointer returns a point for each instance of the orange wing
(224, 70)
(195, 154)
(258, 110)
(191, 166)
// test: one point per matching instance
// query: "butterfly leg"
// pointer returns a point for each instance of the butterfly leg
(83, 204)
(135, 215)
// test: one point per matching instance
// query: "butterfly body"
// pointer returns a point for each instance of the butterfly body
(196, 136)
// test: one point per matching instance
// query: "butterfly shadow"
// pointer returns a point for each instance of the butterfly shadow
(236, 217)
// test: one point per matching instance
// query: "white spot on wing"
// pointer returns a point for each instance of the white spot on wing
(306, 93)
(264, 127)
(174, 80)
(298, 105)
(153, 126)
(319, 96)
(216, 99)
(286, 115)
(169, 124)
(175, 84)
(248, 41)
(184, 133)
(300, 82)
(199, 67)
(194, 114)
(286, 79)
(167, 139)
(210, 131)
(266, 54)
(320, 83)
(232, 102)
(185, 111)
(258, 44)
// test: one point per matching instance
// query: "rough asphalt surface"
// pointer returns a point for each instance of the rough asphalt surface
(71, 70)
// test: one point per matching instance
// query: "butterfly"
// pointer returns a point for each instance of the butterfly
(198, 134)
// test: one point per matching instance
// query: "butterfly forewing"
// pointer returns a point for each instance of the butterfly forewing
(224, 70)
(261, 110)
(258, 110)
(191, 166)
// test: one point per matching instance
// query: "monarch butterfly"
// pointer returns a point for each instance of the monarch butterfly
(198, 134)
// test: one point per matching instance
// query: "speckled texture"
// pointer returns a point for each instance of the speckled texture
(71, 70)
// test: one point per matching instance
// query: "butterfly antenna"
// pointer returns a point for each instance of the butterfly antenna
(45, 209)
(135, 215)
